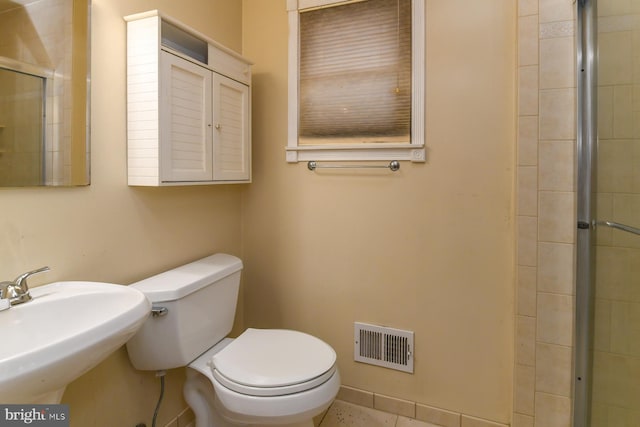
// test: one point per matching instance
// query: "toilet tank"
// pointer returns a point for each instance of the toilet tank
(200, 301)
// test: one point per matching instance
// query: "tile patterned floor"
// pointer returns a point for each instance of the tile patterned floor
(343, 414)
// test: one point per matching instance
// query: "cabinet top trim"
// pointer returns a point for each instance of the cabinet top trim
(186, 28)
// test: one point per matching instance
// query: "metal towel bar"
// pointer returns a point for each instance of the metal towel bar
(619, 226)
(393, 165)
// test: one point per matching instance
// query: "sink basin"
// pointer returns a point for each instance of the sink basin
(64, 331)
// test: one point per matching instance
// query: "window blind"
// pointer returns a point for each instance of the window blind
(355, 73)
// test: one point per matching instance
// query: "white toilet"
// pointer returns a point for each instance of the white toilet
(263, 377)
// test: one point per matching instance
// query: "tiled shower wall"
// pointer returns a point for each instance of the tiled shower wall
(545, 213)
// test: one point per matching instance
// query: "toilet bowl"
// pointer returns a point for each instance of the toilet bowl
(264, 377)
(272, 377)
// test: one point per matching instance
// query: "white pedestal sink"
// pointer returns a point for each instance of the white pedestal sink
(65, 330)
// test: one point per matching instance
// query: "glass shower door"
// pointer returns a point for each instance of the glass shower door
(615, 358)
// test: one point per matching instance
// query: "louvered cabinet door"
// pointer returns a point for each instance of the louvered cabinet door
(231, 138)
(185, 120)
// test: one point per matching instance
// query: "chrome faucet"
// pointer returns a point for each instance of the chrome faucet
(17, 291)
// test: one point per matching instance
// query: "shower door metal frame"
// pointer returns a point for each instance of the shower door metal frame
(586, 47)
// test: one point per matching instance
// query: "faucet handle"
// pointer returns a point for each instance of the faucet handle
(21, 280)
(17, 291)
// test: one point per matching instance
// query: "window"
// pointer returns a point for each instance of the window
(356, 80)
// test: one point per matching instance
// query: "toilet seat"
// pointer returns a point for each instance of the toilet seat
(273, 362)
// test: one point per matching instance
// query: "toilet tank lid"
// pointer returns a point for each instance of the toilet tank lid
(186, 279)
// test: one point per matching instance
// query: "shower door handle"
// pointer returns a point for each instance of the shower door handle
(619, 226)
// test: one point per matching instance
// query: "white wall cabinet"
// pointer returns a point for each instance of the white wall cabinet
(188, 106)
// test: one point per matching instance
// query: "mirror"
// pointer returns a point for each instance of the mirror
(44, 92)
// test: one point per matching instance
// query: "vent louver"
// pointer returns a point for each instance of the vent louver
(382, 346)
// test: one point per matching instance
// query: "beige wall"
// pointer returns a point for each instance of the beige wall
(429, 248)
(111, 232)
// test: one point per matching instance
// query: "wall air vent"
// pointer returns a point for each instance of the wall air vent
(381, 346)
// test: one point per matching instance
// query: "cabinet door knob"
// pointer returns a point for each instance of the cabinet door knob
(218, 126)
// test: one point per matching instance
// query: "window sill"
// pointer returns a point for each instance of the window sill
(360, 152)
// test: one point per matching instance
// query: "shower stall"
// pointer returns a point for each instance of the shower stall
(607, 328)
